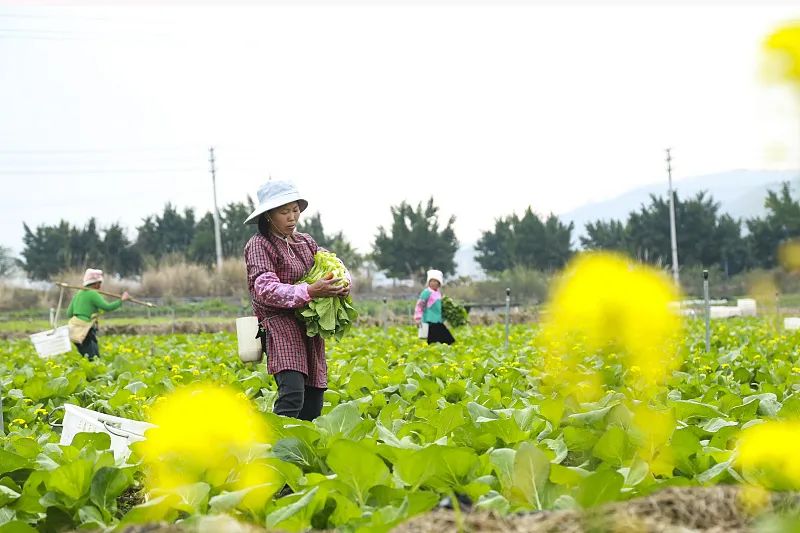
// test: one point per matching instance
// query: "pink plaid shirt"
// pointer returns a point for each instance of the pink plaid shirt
(272, 272)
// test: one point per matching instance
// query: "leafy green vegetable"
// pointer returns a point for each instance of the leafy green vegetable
(331, 316)
(403, 426)
(453, 313)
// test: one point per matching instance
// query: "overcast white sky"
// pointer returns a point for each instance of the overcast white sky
(109, 111)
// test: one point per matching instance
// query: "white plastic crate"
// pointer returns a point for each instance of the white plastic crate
(123, 431)
(791, 322)
(722, 311)
(52, 342)
(747, 305)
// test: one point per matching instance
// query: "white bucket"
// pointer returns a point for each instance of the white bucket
(249, 344)
(123, 431)
(791, 322)
(52, 342)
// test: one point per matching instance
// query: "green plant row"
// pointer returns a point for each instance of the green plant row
(469, 421)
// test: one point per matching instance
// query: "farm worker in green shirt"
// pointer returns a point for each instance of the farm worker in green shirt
(428, 311)
(83, 310)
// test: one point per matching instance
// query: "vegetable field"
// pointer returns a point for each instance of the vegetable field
(405, 426)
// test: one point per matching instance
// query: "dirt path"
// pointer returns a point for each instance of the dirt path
(675, 510)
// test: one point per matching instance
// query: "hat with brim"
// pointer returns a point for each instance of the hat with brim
(275, 194)
(92, 276)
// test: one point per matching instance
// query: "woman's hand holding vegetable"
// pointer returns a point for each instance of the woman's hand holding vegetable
(327, 287)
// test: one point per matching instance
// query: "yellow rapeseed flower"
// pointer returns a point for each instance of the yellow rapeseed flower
(783, 54)
(203, 431)
(767, 454)
(789, 255)
(753, 499)
(610, 304)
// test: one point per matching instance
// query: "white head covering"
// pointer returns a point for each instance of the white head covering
(275, 194)
(437, 275)
(92, 275)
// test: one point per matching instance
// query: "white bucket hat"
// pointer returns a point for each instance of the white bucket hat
(275, 194)
(437, 275)
(91, 276)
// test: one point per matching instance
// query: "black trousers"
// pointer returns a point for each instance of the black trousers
(438, 333)
(295, 398)
(89, 347)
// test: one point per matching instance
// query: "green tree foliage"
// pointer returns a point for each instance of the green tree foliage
(781, 222)
(336, 243)
(52, 249)
(525, 241)
(235, 233)
(606, 235)
(118, 254)
(705, 237)
(415, 242)
(46, 250)
(168, 233)
(203, 249)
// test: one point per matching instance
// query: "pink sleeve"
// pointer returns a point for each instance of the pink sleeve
(269, 290)
(418, 310)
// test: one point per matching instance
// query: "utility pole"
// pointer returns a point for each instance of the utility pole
(217, 237)
(672, 233)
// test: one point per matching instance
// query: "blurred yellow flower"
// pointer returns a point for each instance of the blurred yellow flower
(654, 427)
(611, 304)
(789, 255)
(203, 432)
(783, 54)
(753, 499)
(762, 287)
(767, 454)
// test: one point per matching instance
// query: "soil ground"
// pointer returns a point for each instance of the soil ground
(718, 509)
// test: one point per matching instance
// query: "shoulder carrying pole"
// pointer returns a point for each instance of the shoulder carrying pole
(134, 300)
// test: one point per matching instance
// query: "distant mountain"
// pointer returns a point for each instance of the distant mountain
(740, 193)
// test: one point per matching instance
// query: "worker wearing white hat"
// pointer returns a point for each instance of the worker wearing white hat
(428, 312)
(83, 310)
(277, 257)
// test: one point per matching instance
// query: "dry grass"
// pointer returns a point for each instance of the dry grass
(14, 298)
(231, 280)
(181, 279)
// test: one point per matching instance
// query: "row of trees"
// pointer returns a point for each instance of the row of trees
(705, 236)
(52, 249)
(416, 240)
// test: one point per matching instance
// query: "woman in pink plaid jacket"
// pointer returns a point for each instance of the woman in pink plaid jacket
(276, 257)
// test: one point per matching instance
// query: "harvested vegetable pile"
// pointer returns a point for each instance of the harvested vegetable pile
(331, 316)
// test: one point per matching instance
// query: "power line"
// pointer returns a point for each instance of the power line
(101, 150)
(97, 171)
